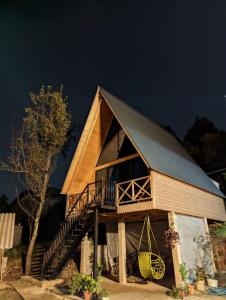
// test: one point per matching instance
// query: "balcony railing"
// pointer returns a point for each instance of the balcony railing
(133, 191)
(79, 201)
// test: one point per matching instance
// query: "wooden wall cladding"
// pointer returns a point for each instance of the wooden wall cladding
(172, 195)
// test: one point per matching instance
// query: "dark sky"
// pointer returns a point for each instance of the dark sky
(166, 58)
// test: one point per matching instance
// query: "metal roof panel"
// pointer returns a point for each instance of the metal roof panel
(7, 223)
(160, 150)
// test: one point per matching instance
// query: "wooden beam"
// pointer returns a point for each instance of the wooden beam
(95, 246)
(122, 251)
(85, 266)
(176, 251)
(117, 161)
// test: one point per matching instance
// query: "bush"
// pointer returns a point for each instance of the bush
(80, 282)
(76, 284)
(15, 252)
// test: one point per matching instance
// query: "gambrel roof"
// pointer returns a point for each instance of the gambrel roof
(158, 148)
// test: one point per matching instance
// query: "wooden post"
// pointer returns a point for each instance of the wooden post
(1, 263)
(95, 246)
(116, 195)
(122, 251)
(176, 251)
(85, 266)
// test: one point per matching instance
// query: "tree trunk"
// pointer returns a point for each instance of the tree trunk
(33, 239)
(37, 218)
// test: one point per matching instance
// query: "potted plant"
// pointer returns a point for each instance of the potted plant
(184, 275)
(191, 289)
(200, 278)
(212, 281)
(81, 283)
(171, 237)
(76, 284)
(89, 286)
(103, 294)
(173, 293)
(182, 292)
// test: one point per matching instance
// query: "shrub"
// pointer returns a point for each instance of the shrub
(76, 284)
(81, 282)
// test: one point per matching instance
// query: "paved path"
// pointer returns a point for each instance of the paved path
(30, 291)
(9, 294)
(131, 291)
(150, 291)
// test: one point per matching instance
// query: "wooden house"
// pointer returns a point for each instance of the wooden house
(126, 167)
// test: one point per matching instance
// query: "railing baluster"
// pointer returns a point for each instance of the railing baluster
(125, 196)
(76, 210)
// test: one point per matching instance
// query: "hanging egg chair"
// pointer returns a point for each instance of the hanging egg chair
(151, 265)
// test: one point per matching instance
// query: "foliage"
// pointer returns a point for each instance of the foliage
(184, 272)
(207, 146)
(220, 230)
(91, 256)
(76, 284)
(171, 237)
(200, 273)
(15, 252)
(202, 245)
(81, 282)
(173, 293)
(34, 150)
(89, 284)
(99, 269)
(178, 293)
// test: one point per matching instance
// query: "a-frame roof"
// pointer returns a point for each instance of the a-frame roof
(158, 148)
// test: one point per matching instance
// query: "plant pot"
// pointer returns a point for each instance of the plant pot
(181, 294)
(199, 285)
(191, 289)
(87, 295)
(212, 282)
(105, 298)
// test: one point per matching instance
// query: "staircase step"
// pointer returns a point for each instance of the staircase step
(37, 258)
(73, 236)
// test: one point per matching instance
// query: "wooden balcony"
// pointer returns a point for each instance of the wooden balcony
(128, 196)
(134, 195)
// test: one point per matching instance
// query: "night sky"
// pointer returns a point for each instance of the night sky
(165, 58)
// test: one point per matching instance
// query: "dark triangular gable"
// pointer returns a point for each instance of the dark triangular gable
(116, 145)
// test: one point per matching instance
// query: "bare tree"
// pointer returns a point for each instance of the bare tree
(34, 150)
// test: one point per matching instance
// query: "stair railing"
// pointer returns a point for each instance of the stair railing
(70, 220)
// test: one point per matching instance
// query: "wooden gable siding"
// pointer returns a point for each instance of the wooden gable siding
(85, 168)
(172, 195)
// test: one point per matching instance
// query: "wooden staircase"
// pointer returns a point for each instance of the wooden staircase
(71, 232)
(36, 261)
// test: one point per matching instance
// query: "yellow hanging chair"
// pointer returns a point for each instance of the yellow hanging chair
(151, 265)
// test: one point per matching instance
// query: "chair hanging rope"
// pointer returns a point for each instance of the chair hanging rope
(151, 265)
